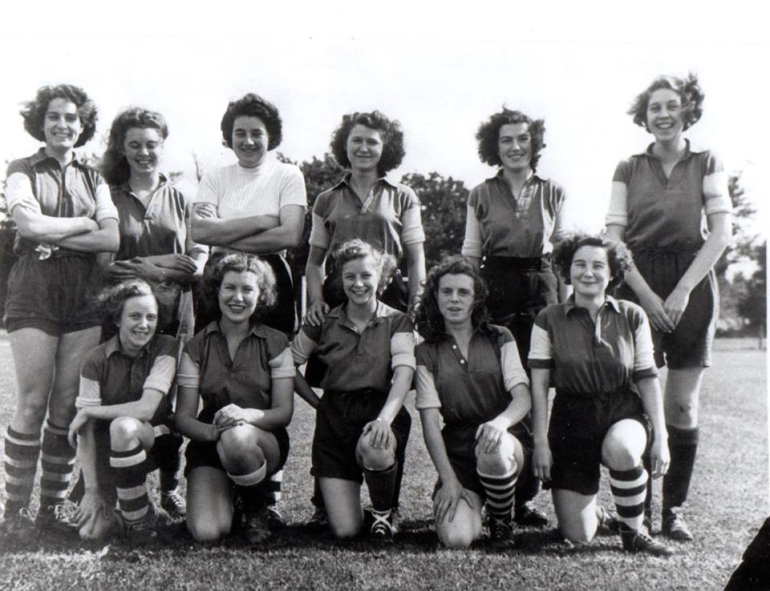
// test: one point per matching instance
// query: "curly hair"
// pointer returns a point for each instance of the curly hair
(688, 90)
(238, 263)
(488, 136)
(34, 111)
(115, 167)
(390, 131)
(429, 320)
(618, 256)
(112, 299)
(253, 105)
(358, 249)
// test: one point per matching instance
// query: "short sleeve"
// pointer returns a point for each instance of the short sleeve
(716, 195)
(163, 370)
(208, 191)
(190, 246)
(305, 343)
(402, 342)
(510, 361)
(279, 356)
(427, 394)
(622, 173)
(411, 218)
(292, 190)
(105, 208)
(18, 188)
(90, 392)
(541, 347)
(319, 233)
(557, 197)
(472, 241)
(644, 358)
(189, 373)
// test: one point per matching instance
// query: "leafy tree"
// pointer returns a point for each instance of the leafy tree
(443, 213)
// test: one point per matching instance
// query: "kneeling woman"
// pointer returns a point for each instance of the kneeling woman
(124, 414)
(243, 372)
(593, 349)
(367, 352)
(469, 373)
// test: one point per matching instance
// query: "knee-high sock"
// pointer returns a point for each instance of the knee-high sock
(382, 485)
(629, 489)
(683, 445)
(250, 489)
(167, 457)
(273, 488)
(130, 482)
(499, 489)
(58, 460)
(22, 451)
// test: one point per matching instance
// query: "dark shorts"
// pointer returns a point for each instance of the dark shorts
(579, 424)
(460, 444)
(518, 289)
(689, 345)
(156, 458)
(340, 419)
(204, 453)
(57, 295)
(283, 316)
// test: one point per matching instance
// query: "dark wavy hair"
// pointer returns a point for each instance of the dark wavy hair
(429, 321)
(618, 256)
(688, 90)
(358, 249)
(253, 105)
(392, 139)
(238, 263)
(34, 111)
(115, 167)
(112, 300)
(488, 136)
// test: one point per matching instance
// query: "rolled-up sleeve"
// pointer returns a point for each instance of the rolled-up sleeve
(513, 372)
(402, 350)
(189, 374)
(282, 366)
(427, 394)
(302, 347)
(161, 374)
(411, 226)
(644, 358)
(472, 241)
(18, 191)
(541, 347)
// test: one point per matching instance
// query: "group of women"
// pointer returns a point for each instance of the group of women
(496, 330)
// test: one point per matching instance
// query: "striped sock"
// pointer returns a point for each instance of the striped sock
(21, 453)
(629, 489)
(131, 483)
(273, 488)
(58, 460)
(250, 489)
(499, 489)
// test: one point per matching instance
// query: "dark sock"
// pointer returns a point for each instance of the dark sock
(683, 445)
(381, 485)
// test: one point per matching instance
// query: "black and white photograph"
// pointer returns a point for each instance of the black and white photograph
(344, 296)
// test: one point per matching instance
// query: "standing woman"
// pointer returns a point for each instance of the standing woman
(64, 217)
(469, 374)
(243, 373)
(659, 200)
(513, 220)
(256, 206)
(155, 242)
(366, 205)
(597, 352)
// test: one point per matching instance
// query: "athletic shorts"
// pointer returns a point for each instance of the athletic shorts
(283, 316)
(56, 295)
(204, 453)
(579, 424)
(166, 441)
(518, 289)
(340, 419)
(460, 444)
(689, 345)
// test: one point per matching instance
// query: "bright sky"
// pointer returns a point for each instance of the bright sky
(576, 65)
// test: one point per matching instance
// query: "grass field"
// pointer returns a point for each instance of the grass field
(729, 502)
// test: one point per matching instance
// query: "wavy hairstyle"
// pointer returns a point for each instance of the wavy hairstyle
(238, 263)
(429, 320)
(688, 90)
(488, 136)
(618, 256)
(34, 111)
(112, 300)
(253, 105)
(115, 167)
(390, 131)
(358, 249)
